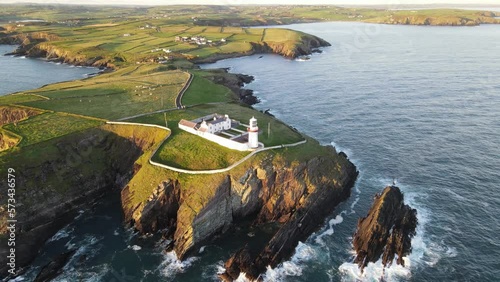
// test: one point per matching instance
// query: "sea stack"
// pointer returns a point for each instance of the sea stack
(386, 231)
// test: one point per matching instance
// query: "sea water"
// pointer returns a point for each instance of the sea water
(418, 105)
(21, 73)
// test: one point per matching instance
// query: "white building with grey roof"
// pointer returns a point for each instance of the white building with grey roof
(222, 130)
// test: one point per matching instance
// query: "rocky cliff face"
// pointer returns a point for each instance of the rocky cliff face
(306, 46)
(297, 194)
(235, 82)
(51, 190)
(443, 21)
(386, 231)
(38, 45)
(15, 114)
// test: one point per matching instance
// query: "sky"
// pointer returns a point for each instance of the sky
(239, 2)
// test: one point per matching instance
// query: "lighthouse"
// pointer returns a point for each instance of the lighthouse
(253, 134)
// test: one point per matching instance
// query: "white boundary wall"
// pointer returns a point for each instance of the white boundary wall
(217, 139)
(203, 171)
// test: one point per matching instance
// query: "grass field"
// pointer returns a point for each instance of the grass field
(188, 151)
(130, 91)
(204, 91)
(48, 126)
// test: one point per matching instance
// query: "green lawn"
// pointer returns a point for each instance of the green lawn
(185, 150)
(203, 91)
(280, 133)
(18, 98)
(134, 90)
(48, 126)
(188, 151)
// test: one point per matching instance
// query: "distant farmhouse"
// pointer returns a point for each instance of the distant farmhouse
(199, 40)
(224, 131)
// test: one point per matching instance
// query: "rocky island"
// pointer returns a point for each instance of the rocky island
(387, 230)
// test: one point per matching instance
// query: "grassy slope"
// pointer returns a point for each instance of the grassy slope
(48, 126)
(112, 96)
(146, 39)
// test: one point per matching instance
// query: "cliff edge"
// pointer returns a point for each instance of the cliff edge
(269, 188)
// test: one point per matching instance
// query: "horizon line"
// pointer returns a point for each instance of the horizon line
(256, 4)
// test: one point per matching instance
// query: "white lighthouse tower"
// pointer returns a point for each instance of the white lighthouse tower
(253, 134)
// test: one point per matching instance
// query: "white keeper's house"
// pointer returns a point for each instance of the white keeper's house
(225, 131)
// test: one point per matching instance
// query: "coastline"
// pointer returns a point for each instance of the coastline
(339, 192)
(37, 70)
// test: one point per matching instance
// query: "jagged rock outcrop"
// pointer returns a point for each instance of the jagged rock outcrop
(307, 44)
(482, 18)
(386, 231)
(239, 262)
(297, 194)
(160, 211)
(235, 82)
(38, 45)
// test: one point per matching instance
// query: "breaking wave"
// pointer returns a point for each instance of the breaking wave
(63, 233)
(294, 267)
(171, 265)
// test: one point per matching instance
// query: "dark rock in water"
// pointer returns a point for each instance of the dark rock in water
(247, 97)
(319, 51)
(235, 82)
(54, 268)
(268, 112)
(297, 225)
(387, 230)
(342, 154)
(236, 264)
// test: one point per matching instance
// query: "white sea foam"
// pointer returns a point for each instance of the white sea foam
(202, 249)
(171, 265)
(328, 232)
(80, 214)
(135, 247)
(374, 272)
(18, 279)
(92, 274)
(242, 278)
(293, 267)
(342, 149)
(63, 233)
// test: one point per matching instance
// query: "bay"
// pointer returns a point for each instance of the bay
(21, 73)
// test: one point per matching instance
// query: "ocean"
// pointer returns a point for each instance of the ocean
(418, 105)
(20, 73)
